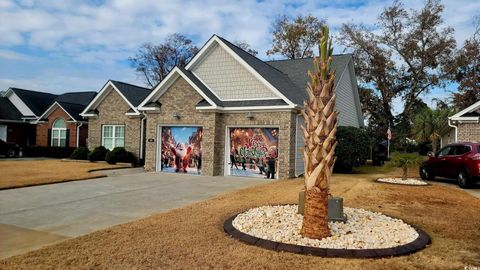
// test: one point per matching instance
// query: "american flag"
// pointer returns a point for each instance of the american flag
(389, 134)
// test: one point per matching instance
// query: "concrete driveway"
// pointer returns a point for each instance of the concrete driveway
(35, 216)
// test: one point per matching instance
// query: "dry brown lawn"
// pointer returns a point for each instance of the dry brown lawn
(192, 237)
(22, 173)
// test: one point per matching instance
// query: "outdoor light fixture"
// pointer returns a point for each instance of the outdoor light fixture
(250, 115)
(176, 115)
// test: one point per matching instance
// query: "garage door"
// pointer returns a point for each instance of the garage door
(180, 150)
(253, 152)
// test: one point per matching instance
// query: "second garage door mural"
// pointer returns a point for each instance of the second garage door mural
(253, 152)
(181, 149)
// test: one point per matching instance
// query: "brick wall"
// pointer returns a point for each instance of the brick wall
(111, 111)
(468, 132)
(42, 128)
(182, 99)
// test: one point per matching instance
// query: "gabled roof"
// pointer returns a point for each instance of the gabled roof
(471, 113)
(297, 69)
(81, 98)
(8, 111)
(36, 101)
(132, 94)
(135, 94)
(72, 103)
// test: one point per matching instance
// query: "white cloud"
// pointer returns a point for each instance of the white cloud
(85, 35)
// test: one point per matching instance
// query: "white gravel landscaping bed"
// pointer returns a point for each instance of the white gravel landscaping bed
(400, 181)
(363, 229)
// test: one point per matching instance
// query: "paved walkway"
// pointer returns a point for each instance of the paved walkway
(36, 216)
(474, 190)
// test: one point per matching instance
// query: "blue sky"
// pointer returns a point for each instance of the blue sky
(69, 45)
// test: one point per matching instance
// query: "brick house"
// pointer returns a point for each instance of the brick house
(464, 126)
(61, 124)
(113, 117)
(229, 113)
(19, 111)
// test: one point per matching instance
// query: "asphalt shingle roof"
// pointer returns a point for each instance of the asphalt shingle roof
(133, 93)
(8, 111)
(81, 98)
(38, 102)
(73, 109)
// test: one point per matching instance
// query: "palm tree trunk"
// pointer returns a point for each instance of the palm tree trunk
(320, 142)
(405, 173)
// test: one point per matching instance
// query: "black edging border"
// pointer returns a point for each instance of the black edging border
(408, 185)
(418, 244)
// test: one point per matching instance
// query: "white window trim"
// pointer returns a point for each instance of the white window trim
(113, 135)
(59, 137)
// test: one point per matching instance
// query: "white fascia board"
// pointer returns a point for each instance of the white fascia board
(249, 108)
(100, 96)
(469, 118)
(51, 109)
(166, 83)
(471, 108)
(148, 109)
(206, 47)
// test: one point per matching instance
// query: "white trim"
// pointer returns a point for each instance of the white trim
(78, 134)
(166, 83)
(468, 118)
(113, 135)
(251, 108)
(50, 110)
(215, 38)
(101, 96)
(142, 135)
(59, 131)
(19, 103)
(471, 108)
(226, 170)
(243, 99)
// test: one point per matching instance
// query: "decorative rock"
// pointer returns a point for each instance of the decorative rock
(400, 181)
(363, 229)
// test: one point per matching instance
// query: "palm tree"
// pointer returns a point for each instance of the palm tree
(428, 124)
(320, 141)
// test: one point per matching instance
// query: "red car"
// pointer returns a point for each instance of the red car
(460, 161)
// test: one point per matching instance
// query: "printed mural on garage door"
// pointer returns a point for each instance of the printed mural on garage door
(181, 150)
(253, 152)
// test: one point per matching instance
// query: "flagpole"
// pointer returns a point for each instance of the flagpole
(388, 141)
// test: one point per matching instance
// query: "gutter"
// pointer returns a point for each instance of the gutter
(453, 126)
(142, 135)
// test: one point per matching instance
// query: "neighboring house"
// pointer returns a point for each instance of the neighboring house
(464, 126)
(235, 103)
(19, 111)
(61, 124)
(113, 117)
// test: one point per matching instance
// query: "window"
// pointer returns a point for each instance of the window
(59, 133)
(461, 149)
(444, 151)
(113, 136)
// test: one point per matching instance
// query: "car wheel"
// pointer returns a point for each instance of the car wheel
(11, 153)
(426, 173)
(463, 179)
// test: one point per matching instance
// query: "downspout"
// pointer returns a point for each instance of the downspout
(142, 139)
(453, 126)
(78, 134)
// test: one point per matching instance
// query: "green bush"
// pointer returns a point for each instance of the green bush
(47, 151)
(81, 153)
(119, 154)
(98, 154)
(352, 149)
(405, 161)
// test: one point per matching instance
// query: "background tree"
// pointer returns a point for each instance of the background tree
(428, 124)
(154, 62)
(246, 47)
(320, 141)
(468, 76)
(411, 54)
(296, 38)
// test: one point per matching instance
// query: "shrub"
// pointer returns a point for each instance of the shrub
(352, 148)
(405, 161)
(47, 151)
(119, 154)
(98, 154)
(81, 153)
